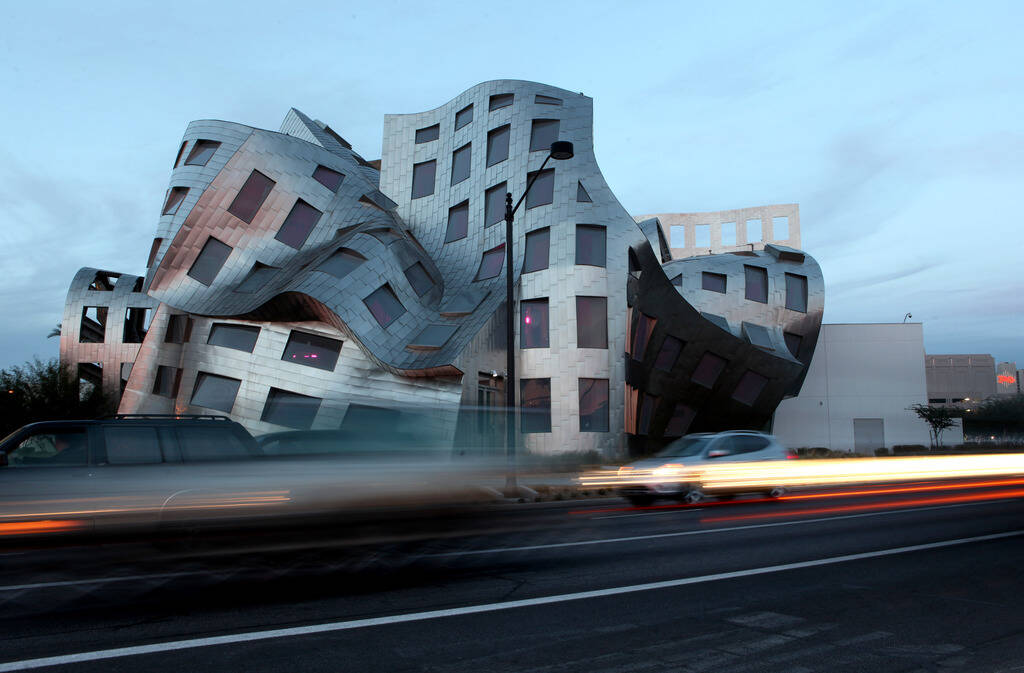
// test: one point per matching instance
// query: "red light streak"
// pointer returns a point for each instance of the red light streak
(30, 527)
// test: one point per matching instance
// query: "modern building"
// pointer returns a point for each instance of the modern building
(1007, 378)
(960, 379)
(292, 283)
(692, 234)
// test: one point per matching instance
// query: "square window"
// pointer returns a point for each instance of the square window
(201, 152)
(497, 145)
(290, 409)
(296, 227)
(758, 336)
(543, 190)
(215, 392)
(591, 322)
(642, 328)
(136, 324)
(593, 405)
(546, 100)
(796, 292)
(682, 416)
(312, 350)
(434, 336)
(535, 257)
(708, 370)
(423, 178)
(534, 325)
(671, 347)
(793, 342)
(238, 337)
(174, 199)
(590, 245)
(494, 204)
(251, 196)
(461, 159)
(647, 407)
(702, 236)
(677, 236)
(425, 135)
(168, 380)
(535, 405)
(713, 281)
(756, 283)
(728, 233)
(581, 194)
(749, 388)
(209, 261)
(384, 305)
(463, 116)
(458, 222)
(754, 231)
(500, 100)
(419, 279)
(258, 276)
(542, 134)
(780, 228)
(491, 263)
(677, 280)
(176, 328)
(328, 177)
(341, 263)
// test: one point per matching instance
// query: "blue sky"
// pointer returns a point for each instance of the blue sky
(897, 127)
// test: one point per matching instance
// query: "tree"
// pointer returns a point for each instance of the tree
(55, 332)
(46, 391)
(997, 416)
(938, 419)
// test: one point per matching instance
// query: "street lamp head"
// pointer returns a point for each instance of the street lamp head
(561, 149)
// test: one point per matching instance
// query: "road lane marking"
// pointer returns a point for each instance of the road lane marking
(703, 531)
(253, 636)
(624, 516)
(95, 580)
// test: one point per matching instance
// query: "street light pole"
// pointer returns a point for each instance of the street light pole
(559, 150)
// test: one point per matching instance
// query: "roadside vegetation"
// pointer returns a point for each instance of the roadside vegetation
(45, 390)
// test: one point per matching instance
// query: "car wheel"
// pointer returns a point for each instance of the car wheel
(640, 500)
(776, 492)
(693, 496)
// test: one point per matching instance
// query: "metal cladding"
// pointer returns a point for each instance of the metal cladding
(292, 273)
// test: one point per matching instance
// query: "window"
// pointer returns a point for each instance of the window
(936, 400)
(167, 381)
(728, 233)
(542, 134)
(176, 328)
(796, 292)
(258, 276)
(581, 194)
(174, 199)
(591, 322)
(757, 283)
(181, 150)
(328, 177)
(463, 116)
(793, 342)
(312, 350)
(434, 336)
(210, 443)
(341, 263)
(136, 324)
(716, 320)
(490, 263)
(535, 405)
(535, 256)
(215, 392)
(296, 227)
(758, 336)
(534, 326)
(500, 100)
(55, 448)
(749, 388)
(458, 222)
(497, 145)
(423, 178)
(251, 196)
(201, 152)
(546, 100)
(153, 250)
(753, 231)
(463, 303)
(494, 204)
(128, 445)
(702, 236)
(677, 280)
(367, 201)
(419, 279)
(461, 160)
(210, 260)
(642, 329)
(590, 245)
(290, 409)
(425, 135)
(593, 405)
(713, 281)
(670, 349)
(239, 337)
(708, 370)
(682, 416)
(93, 325)
(780, 228)
(384, 305)
(543, 190)
(647, 407)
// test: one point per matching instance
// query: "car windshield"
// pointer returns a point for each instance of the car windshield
(687, 446)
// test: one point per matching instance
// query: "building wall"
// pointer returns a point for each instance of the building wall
(1007, 378)
(868, 371)
(953, 379)
(779, 224)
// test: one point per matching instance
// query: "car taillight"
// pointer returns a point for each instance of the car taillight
(791, 455)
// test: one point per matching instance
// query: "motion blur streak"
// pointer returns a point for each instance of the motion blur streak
(36, 527)
(945, 486)
(895, 504)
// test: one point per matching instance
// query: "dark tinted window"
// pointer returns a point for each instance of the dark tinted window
(434, 336)
(341, 263)
(642, 329)
(463, 116)
(239, 337)
(749, 443)
(546, 100)
(215, 392)
(591, 322)
(201, 152)
(793, 343)
(384, 305)
(758, 335)
(491, 263)
(796, 292)
(713, 281)
(543, 190)
(258, 276)
(419, 279)
(55, 448)
(312, 350)
(682, 416)
(500, 100)
(543, 133)
(458, 222)
(708, 370)
(581, 194)
(535, 257)
(461, 160)
(593, 405)
(535, 403)
(749, 388)
(167, 381)
(534, 329)
(176, 329)
(590, 245)
(290, 409)
(296, 227)
(425, 135)
(328, 177)
(423, 178)
(757, 283)
(174, 199)
(670, 349)
(251, 196)
(200, 443)
(494, 204)
(132, 445)
(497, 145)
(210, 260)
(136, 324)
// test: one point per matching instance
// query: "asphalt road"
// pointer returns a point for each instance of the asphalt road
(914, 580)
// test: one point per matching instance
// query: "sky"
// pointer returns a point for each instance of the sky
(897, 126)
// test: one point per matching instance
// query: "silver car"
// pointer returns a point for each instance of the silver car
(676, 471)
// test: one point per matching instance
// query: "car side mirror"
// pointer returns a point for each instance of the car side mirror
(717, 453)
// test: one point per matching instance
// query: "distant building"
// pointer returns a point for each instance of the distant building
(693, 234)
(960, 379)
(1007, 378)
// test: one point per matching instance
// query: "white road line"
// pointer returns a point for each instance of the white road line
(671, 511)
(252, 636)
(94, 580)
(703, 531)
